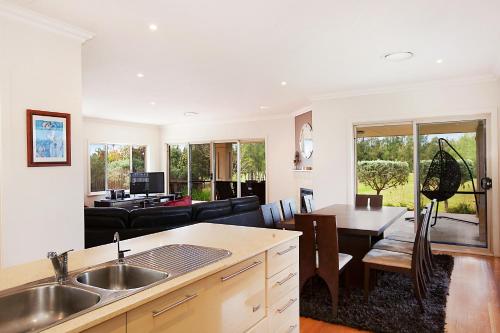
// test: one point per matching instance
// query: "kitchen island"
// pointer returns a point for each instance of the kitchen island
(255, 289)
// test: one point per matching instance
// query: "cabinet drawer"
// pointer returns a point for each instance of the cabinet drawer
(243, 294)
(179, 311)
(284, 314)
(282, 256)
(114, 325)
(282, 283)
(261, 327)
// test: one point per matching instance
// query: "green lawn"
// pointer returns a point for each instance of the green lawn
(402, 196)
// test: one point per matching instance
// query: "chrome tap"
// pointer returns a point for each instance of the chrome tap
(60, 264)
(121, 253)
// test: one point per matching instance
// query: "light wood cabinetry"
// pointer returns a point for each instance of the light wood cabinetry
(115, 325)
(257, 295)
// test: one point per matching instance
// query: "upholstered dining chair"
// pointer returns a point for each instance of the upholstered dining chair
(288, 209)
(368, 200)
(410, 264)
(319, 253)
(271, 215)
(309, 202)
(407, 246)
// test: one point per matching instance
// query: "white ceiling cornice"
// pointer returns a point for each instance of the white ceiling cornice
(37, 19)
(302, 110)
(406, 87)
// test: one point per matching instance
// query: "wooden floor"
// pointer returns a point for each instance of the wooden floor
(473, 304)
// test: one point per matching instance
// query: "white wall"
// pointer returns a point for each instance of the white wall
(41, 208)
(333, 176)
(107, 131)
(279, 136)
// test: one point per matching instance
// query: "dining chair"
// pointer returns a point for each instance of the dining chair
(409, 264)
(271, 215)
(288, 209)
(309, 202)
(369, 200)
(319, 253)
(407, 246)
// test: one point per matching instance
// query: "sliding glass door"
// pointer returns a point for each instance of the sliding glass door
(201, 171)
(218, 170)
(226, 170)
(452, 162)
(451, 167)
(178, 169)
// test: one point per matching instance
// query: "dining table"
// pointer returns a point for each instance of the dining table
(358, 229)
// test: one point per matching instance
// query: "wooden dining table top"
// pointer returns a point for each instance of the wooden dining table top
(362, 220)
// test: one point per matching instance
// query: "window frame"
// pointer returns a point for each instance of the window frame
(106, 144)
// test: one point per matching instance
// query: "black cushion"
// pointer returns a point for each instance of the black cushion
(210, 210)
(105, 218)
(168, 217)
(245, 204)
(247, 219)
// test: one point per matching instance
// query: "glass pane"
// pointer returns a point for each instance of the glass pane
(201, 175)
(452, 158)
(178, 169)
(97, 155)
(118, 167)
(226, 165)
(384, 157)
(253, 169)
(138, 158)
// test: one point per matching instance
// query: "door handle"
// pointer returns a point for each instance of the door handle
(174, 305)
(486, 183)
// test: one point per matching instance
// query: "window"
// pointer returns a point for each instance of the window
(111, 165)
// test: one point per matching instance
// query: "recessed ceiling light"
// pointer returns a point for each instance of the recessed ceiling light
(140, 75)
(264, 107)
(398, 56)
(153, 27)
(439, 61)
(284, 83)
(190, 114)
(152, 103)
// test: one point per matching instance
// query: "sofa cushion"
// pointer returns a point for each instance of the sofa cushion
(105, 218)
(167, 217)
(245, 204)
(210, 210)
(247, 219)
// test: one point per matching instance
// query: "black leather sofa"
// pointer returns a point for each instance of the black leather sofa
(102, 223)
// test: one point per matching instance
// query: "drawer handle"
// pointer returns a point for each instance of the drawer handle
(287, 305)
(171, 306)
(292, 328)
(230, 276)
(291, 275)
(256, 308)
(292, 247)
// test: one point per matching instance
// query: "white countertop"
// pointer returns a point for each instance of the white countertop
(243, 242)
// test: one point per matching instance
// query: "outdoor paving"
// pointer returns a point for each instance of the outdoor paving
(445, 231)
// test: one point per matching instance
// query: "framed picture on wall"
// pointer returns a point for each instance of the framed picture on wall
(49, 138)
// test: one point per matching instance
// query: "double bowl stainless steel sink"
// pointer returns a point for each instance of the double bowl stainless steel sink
(45, 303)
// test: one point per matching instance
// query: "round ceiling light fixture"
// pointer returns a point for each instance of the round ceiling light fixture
(398, 56)
(153, 27)
(190, 114)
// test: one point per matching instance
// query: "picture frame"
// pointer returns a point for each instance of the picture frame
(48, 138)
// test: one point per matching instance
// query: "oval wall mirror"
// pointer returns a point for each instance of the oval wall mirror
(306, 141)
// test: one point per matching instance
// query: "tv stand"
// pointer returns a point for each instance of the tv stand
(136, 202)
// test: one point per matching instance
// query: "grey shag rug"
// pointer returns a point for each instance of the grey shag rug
(392, 307)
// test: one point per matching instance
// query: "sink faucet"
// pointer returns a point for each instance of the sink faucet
(121, 253)
(60, 264)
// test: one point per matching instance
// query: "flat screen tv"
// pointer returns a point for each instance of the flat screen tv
(147, 182)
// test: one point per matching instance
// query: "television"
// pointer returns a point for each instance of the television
(147, 182)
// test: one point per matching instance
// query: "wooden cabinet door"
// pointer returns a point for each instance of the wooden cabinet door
(242, 295)
(183, 310)
(114, 325)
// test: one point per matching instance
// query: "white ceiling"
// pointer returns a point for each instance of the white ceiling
(226, 58)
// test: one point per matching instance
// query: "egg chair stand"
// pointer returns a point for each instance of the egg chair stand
(444, 177)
